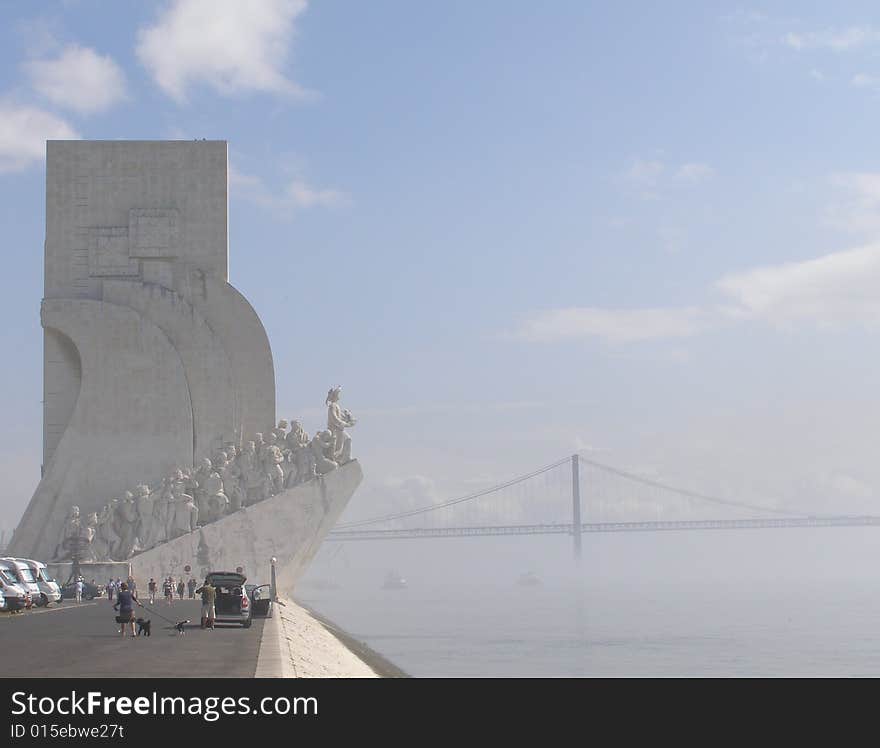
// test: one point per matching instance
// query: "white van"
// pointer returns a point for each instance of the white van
(50, 590)
(16, 596)
(24, 575)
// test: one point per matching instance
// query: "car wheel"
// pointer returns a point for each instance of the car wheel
(247, 624)
(43, 601)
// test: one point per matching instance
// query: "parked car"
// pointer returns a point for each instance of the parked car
(15, 595)
(49, 589)
(90, 591)
(232, 604)
(261, 599)
(24, 577)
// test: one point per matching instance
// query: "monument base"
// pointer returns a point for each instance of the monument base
(100, 571)
(288, 527)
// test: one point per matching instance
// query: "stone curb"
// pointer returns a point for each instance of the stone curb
(273, 660)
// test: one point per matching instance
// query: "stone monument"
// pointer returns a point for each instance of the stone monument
(152, 360)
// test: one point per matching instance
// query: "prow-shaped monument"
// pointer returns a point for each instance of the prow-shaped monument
(154, 363)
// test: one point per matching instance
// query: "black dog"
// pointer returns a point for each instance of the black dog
(181, 627)
(143, 627)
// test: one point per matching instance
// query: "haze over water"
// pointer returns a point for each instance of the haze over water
(719, 603)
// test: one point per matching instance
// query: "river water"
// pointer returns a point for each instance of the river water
(747, 603)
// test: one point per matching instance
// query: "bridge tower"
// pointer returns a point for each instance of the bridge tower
(576, 526)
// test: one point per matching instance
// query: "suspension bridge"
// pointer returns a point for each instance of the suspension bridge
(548, 501)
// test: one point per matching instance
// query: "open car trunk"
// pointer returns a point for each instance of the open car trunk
(230, 587)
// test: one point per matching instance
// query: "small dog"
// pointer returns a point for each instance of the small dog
(143, 626)
(181, 627)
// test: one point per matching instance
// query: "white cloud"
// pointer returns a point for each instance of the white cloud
(863, 80)
(24, 132)
(856, 207)
(297, 194)
(643, 173)
(613, 325)
(838, 40)
(79, 79)
(651, 178)
(829, 292)
(229, 45)
(694, 172)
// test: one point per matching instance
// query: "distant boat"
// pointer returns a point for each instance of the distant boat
(529, 580)
(393, 581)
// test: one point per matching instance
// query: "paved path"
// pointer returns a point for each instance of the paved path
(80, 641)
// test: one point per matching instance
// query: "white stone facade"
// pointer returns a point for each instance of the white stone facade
(151, 358)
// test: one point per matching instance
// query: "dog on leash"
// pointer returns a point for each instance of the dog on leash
(181, 627)
(143, 627)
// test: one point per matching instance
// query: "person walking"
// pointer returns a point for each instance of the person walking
(168, 590)
(125, 602)
(79, 590)
(209, 594)
(191, 586)
(181, 588)
(110, 589)
(152, 587)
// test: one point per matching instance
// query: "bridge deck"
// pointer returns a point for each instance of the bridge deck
(568, 529)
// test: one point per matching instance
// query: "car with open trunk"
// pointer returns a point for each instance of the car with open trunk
(231, 603)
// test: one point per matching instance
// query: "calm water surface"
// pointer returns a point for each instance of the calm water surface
(761, 626)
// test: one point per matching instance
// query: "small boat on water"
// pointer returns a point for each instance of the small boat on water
(393, 581)
(530, 579)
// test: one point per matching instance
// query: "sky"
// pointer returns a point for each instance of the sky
(510, 230)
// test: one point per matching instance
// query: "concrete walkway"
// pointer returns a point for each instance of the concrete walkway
(80, 641)
(295, 645)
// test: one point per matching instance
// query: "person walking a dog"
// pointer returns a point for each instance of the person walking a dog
(125, 602)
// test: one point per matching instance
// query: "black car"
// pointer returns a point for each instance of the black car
(90, 591)
(261, 602)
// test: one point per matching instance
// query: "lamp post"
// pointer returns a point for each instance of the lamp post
(273, 589)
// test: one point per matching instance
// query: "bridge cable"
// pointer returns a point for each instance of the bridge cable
(684, 491)
(452, 502)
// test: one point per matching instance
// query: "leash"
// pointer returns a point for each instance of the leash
(157, 613)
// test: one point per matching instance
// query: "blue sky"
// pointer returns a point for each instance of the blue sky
(510, 230)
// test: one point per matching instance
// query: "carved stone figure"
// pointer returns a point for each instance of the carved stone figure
(127, 521)
(147, 533)
(322, 446)
(251, 479)
(301, 456)
(165, 506)
(232, 479)
(338, 420)
(280, 432)
(69, 529)
(87, 535)
(271, 459)
(186, 513)
(106, 539)
(210, 499)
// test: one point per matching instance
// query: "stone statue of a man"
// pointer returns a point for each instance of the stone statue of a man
(70, 529)
(338, 420)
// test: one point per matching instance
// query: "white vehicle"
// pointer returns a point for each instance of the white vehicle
(15, 595)
(23, 575)
(50, 590)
